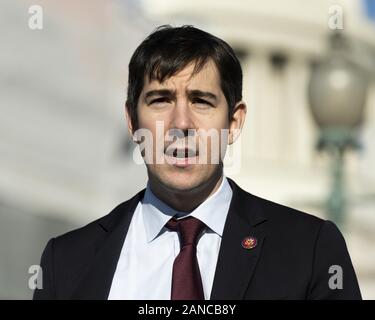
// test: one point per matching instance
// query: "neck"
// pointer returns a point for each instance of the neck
(186, 200)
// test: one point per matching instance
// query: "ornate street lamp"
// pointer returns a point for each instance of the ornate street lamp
(337, 93)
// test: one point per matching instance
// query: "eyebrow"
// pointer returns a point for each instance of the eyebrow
(191, 94)
(202, 94)
(160, 92)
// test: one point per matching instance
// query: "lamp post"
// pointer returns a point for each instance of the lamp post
(337, 93)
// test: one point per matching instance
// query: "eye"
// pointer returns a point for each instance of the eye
(159, 100)
(202, 101)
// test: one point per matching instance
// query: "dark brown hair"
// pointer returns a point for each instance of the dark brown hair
(168, 50)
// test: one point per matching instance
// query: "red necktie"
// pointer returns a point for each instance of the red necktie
(186, 277)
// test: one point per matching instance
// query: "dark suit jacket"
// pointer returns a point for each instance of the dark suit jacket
(290, 261)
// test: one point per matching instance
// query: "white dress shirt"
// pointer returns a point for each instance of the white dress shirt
(144, 268)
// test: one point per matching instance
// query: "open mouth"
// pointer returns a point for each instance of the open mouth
(183, 153)
(181, 157)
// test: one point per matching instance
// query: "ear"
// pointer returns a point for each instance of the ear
(237, 121)
(129, 122)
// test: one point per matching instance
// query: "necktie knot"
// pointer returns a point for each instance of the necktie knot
(189, 228)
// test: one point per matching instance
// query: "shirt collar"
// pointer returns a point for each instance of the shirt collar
(213, 211)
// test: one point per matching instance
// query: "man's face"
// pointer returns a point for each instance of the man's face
(182, 103)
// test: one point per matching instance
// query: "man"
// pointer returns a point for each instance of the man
(193, 233)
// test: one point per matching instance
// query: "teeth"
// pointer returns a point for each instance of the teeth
(191, 153)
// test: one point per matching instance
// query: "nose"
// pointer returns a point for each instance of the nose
(181, 115)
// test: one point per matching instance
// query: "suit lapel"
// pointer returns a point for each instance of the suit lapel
(236, 265)
(97, 280)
